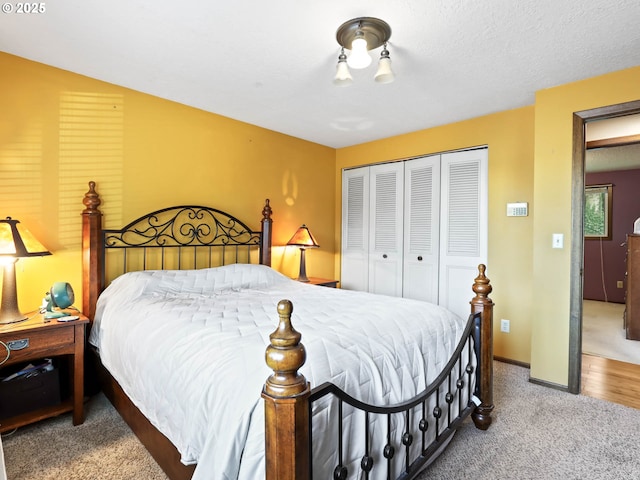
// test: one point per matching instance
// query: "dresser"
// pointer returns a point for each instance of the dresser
(632, 295)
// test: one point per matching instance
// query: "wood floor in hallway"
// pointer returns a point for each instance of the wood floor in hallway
(611, 380)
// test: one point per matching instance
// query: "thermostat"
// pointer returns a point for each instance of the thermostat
(517, 209)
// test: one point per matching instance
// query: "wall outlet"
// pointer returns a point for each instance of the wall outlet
(620, 284)
(504, 325)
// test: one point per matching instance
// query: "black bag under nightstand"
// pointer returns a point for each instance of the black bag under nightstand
(40, 388)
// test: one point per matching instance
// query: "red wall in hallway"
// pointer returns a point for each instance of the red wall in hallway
(608, 256)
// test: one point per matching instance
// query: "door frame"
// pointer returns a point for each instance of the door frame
(577, 233)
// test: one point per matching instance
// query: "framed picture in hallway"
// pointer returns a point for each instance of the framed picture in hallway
(597, 211)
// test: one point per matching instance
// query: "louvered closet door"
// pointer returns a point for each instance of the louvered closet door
(355, 229)
(421, 228)
(385, 229)
(463, 236)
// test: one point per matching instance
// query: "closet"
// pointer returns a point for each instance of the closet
(416, 228)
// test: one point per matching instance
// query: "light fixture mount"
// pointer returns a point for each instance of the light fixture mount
(375, 31)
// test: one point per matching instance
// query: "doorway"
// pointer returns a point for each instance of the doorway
(612, 176)
(577, 228)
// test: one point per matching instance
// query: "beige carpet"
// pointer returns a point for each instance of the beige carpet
(102, 448)
(603, 335)
(538, 433)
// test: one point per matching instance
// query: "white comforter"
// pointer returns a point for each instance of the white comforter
(188, 348)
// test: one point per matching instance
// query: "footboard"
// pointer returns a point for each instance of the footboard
(414, 431)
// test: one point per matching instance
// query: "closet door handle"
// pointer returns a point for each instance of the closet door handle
(420, 258)
(384, 255)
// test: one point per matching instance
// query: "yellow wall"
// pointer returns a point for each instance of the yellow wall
(552, 193)
(509, 136)
(158, 153)
(529, 160)
(164, 153)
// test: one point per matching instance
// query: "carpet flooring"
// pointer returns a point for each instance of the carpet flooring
(102, 448)
(603, 334)
(537, 433)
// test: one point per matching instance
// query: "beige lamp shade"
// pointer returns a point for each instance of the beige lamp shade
(15, 242)
(303, 238)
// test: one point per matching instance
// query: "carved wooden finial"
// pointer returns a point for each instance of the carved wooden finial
(266, 211)
(481, 285)
(285, 355)
(265, 241)
(91, 200)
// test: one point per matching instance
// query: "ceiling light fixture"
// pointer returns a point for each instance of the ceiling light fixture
(361, 35)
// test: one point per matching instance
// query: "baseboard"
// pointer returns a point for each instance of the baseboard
(512, 362)
(536, 381)
(544, 383)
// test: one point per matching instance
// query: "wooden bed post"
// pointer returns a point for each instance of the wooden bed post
(91, 251)
(286, 403)
(482, 303)
(265, 241)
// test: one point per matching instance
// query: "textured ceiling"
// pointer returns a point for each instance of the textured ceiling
(625, 157)
(271, 63)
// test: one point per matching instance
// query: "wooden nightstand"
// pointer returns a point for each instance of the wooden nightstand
(47, 339)
(323, 282)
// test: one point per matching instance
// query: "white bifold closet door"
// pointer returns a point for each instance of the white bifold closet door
(463, 226)
(355, 230)
(386, 228)
(417, 228)
(421, 229)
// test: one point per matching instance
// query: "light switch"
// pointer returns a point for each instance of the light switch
(558, 240)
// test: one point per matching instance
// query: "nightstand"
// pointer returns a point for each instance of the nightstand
(323, 282)
(36, 339)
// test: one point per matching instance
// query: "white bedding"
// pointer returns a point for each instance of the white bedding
(188, 348)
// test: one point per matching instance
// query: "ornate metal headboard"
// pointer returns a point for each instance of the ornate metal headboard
(178, 238)
(175, 238)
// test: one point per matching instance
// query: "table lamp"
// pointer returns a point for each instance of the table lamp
(15, 242)
(303, 239)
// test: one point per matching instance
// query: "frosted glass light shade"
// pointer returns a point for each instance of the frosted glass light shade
(359, 57)
(343, 75)
(384, 73)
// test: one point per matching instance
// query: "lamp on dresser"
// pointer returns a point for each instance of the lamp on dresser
(15, 242)
(303, 239)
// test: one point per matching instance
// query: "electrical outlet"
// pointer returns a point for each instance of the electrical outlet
(620, 284)
(504, 325)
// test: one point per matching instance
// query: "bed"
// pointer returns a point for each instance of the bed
(197, 350)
